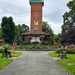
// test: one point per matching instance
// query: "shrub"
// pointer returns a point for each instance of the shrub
(8, 46)
(35, 47)
(60, 49)
(1, 49)
(69, 51)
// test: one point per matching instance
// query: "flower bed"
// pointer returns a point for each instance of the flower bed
(34, 47)
(69, 51)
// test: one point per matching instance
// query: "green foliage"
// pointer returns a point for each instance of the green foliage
(1, 49)
(69, 51)
(57, 38)
(34, 47)
(25, 28)
(20, 29)
(60, 49)
(8, 46)
(47, 28)
(68, 27)
(8, 29)
(0, 33)
(69, 17)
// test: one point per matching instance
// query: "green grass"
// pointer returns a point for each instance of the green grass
(68, 63)
(6, 61)
(53, 54)
(16, 54)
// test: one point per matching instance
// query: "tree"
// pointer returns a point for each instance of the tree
(69, 17)
(8, 29)
(25, 28)
(0, 33)
(68, 27)
(20, 29)
(46, 28)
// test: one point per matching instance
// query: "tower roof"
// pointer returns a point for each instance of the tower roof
(36, 1)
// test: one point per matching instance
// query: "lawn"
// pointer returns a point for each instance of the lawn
(6, 61)
(68, 63)
(16, 54)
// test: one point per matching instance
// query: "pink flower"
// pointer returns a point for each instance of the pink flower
(29, 37)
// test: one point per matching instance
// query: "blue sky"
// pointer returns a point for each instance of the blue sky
(20, 11)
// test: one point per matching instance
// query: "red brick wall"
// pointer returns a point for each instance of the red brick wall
(36, 8)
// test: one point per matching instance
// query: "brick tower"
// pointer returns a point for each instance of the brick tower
(36, 14)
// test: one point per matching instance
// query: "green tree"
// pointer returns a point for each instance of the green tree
(0, 32)
(68, 27)
(20, 29)
(47, 28)
(69, 17)
(8, 29)
(25, 28)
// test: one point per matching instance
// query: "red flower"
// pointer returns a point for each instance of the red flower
(42, 36)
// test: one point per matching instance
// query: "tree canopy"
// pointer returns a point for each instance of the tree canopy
(68, 27)
(20, 29)
(69, 17)
(8, 29)
(47, 28)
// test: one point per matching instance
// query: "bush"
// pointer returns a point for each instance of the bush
(60, 49)
(1, 49)
(8, 46)
(35, 47)
(69, 51)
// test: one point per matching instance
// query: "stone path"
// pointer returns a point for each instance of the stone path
(33, 63)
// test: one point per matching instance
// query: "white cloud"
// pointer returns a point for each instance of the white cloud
(20, 11)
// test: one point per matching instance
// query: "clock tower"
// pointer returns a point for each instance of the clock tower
(36, 14)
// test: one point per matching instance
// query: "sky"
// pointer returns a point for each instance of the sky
(53, 11)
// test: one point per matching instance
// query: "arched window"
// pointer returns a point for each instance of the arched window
(35, 22)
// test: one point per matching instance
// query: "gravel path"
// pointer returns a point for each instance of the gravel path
(33, 63)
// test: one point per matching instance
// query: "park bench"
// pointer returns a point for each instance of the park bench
(62, 54)
(6, 54)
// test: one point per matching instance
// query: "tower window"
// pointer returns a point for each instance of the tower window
(36, 13)
(35, 22)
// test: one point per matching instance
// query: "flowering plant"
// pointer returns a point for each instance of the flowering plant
(42, 36)
(29, 37)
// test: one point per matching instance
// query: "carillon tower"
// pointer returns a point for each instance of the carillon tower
(36, 14)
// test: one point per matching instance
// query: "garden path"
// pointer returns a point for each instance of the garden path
(33, 63)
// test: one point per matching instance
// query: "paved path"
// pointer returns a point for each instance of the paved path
(33, 63)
